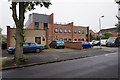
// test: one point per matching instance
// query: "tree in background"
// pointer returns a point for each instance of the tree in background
(106, 35)
(118, 29)
(91, 37)
(19, 22)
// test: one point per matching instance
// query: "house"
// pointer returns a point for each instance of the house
(112, 30)
(40, 28)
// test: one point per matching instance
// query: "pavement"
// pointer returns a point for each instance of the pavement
(102, 66)
(58, 55)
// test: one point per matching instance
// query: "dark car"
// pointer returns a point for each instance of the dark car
(86, 44)
(113, 41)
(28, 47)
(57, 44)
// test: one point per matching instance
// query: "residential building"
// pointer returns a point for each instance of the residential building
(41, 25)
(112, 30)
(65, 32)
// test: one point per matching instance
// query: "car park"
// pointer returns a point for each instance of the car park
(103, 42)
(113, 41)
(86, 44)
(28, 47)
(57, 44)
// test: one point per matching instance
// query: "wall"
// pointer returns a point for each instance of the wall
(74, 45)
(30, 36)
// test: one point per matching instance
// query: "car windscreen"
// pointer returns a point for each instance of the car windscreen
(111, 39)
(60, 42)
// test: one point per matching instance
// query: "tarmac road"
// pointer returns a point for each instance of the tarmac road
(102, 66)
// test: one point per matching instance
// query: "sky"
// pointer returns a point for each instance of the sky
(81, 12)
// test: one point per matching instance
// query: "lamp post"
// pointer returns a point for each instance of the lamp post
(100, 29)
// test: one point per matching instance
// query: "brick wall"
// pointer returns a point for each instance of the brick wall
(8, 36)
(30, 36)
(74, 45)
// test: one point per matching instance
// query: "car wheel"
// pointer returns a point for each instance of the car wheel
(63, 47)
(37, 50)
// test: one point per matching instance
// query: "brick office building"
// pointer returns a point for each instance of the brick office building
(65, 32)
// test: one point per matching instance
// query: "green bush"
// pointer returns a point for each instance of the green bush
(23, 58)
(46, 47)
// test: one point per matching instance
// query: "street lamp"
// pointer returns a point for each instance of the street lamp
(118, 2)
(100, 29)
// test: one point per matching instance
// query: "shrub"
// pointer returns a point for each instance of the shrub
(46, 47)
(23, 58)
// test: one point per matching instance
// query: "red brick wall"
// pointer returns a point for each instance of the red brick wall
(8, 36)
(74, 45)
(62, 35)
(115, 34)
(31, 26)
(77, 35)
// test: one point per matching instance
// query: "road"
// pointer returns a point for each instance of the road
(102, 66)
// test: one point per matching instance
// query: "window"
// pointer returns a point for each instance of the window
(36, 25)
(75, 31)
(65, 40)
(82, 31)
(69, 31)
(32, 44)
(78, 39)
(45, 25)
(69, 40)
(75, 39)
(79, 31)
(82, 39)
(56, 30)
(38, 40)
(65, 30)
(61, 39)
(60, 30)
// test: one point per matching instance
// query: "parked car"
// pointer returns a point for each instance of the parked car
(96, 43)
(113, 41)
(92, 41)
(86, 44)
(103, 42)
(28, 47)
(57, 44)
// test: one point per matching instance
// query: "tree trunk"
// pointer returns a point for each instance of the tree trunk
(19, 30)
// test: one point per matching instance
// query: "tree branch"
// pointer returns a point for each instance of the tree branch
(14, 12)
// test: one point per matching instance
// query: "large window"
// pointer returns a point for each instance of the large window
(56, 30)
(75, 31)
(69, 40)
(45, 25)
(69, 31)
(36, 25)
(61, 30)
(61, 39)
(79, 40)
(65, 40)
(79, 31)
(65, 30)
(82, 31)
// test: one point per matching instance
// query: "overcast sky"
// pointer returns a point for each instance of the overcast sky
(81, 12)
